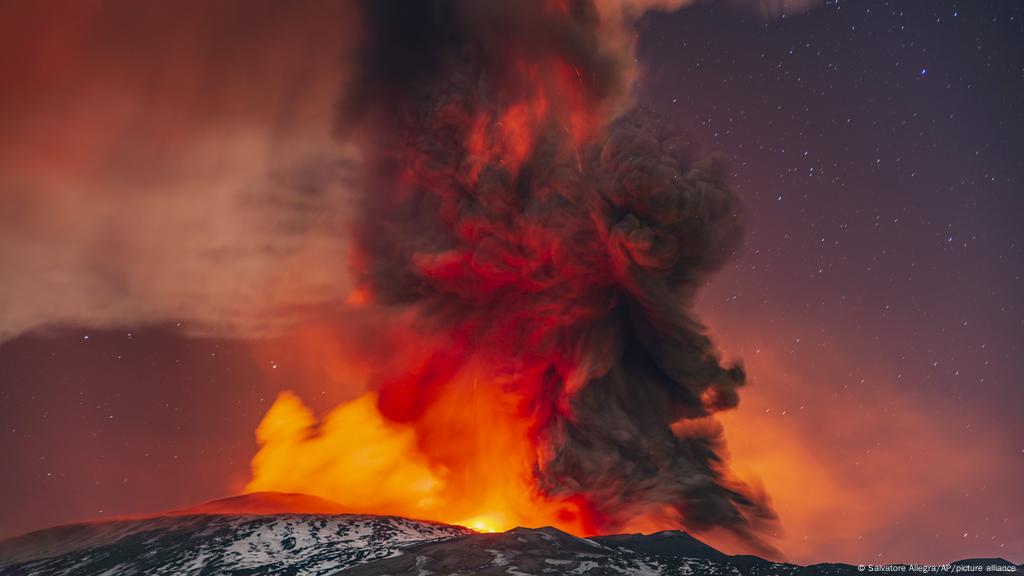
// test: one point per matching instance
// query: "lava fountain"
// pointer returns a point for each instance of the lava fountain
(528, 248)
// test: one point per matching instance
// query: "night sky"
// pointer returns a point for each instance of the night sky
(876, 301)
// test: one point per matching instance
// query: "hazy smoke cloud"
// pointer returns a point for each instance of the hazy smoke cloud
(171, 162)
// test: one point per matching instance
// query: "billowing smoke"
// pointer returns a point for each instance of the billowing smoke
(534, 225)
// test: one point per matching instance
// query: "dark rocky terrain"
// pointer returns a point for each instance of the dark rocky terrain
(252, 536)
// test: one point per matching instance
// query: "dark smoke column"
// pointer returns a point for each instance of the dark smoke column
(535, 226)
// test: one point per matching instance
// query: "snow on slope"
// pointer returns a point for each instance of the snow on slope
(314, 545)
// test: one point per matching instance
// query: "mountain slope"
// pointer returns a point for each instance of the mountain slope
(257, 534)
(548, 551)
(551, 551)
(198, 544)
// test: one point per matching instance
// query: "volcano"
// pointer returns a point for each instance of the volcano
(294, 534)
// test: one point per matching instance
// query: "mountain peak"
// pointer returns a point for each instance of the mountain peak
(263, 503)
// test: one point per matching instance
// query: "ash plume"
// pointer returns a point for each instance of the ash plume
(532, 222)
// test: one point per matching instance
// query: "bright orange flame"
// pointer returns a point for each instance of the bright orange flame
(483, 523)
(353, 457)
(466, 461)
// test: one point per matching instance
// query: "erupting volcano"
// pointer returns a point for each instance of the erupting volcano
(478, 286)
(527, 248)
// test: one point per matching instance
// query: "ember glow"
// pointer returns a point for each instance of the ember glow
(528, 248)
(473, 468)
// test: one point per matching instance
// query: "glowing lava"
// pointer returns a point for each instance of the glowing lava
(468, 460)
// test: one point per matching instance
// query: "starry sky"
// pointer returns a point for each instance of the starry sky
(876, 301)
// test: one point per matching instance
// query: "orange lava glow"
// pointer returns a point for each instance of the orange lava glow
(467, 461)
